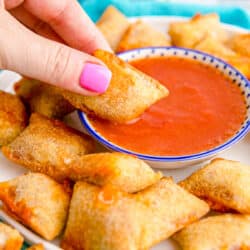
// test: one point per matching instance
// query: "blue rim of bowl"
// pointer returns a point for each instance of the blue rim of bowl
(236, 138)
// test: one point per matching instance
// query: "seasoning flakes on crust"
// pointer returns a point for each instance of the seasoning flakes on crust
(47, 145)
(38, 202)
(223, 184)
(129, 94)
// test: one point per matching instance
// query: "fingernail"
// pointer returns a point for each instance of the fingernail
(95, 78)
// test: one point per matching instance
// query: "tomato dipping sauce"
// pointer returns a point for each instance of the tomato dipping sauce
(203, 110)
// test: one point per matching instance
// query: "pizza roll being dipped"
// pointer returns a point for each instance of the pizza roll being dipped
(47, 145)
(126, 172)
(13, 117)
(140, 35)
(240, 43)
(189, 33)
(118, 103)
(36, 247)
(113, 25)
(109, 219)
(228, 231)
(223, 184)
(10, 239)
(38, 202)
(43, 98)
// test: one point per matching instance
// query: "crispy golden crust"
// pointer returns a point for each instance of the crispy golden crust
(10, 239)
(171, 208)
(109, 219)
(112, 24)
(13, 117)
(240, 43)
(47, 145)
(223, 184)
(38, 202)
(43, 98)
(36, 247)
(188, 33)
(118, 103)
(229, 231)
(123, 171)
(140, 35)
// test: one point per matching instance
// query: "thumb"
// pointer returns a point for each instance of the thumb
(37, 57)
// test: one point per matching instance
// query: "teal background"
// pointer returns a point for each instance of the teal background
(228, 13)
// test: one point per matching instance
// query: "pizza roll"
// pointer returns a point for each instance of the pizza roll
(228, 231)
(10, 239)
(140, 35)
(107, 218)
(38, 202)
(113, 25)
(223, 184)
(124, 171)
(240, 43)
(36, 247)
(13, 117)
(43, 98)
(188, 33)
(118, 103)
(47, 145)
(215, 47)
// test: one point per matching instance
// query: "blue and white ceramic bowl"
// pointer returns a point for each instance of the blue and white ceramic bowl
(167, 162)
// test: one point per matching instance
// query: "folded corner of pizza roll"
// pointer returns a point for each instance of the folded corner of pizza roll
(38, 202)
(10, 239)
(223, 184)
(36, 247)
(171, 208)
(141, 34)
(113, 25)
(110, 219)
(46, 145)
(118, 103)
(228, 231)
(126, 172)
(188, 33)
(43, 98)
(13, 117)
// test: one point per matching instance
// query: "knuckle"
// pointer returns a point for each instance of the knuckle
(58, 64)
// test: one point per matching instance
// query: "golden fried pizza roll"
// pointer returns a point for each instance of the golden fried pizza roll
(36, 247)
(118, 103)
(38, 202)
(215, 47)
(170, 207)
(140, 35)
(10, 239)
(188, 33)
(43, 98)
(113, 25)
(223, 184)
(47, 145)
(109, 219)
(240, 43)
(229, 231)
(13, 117)
(126, 172)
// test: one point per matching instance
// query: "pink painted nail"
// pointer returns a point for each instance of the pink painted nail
(95, 77)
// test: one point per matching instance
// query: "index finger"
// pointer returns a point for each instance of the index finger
(69, 21)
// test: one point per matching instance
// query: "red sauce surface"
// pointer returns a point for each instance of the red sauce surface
(203, 110)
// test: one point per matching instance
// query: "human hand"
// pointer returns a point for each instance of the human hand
(34, 35)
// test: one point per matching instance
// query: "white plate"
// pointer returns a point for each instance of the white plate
(8, 170)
